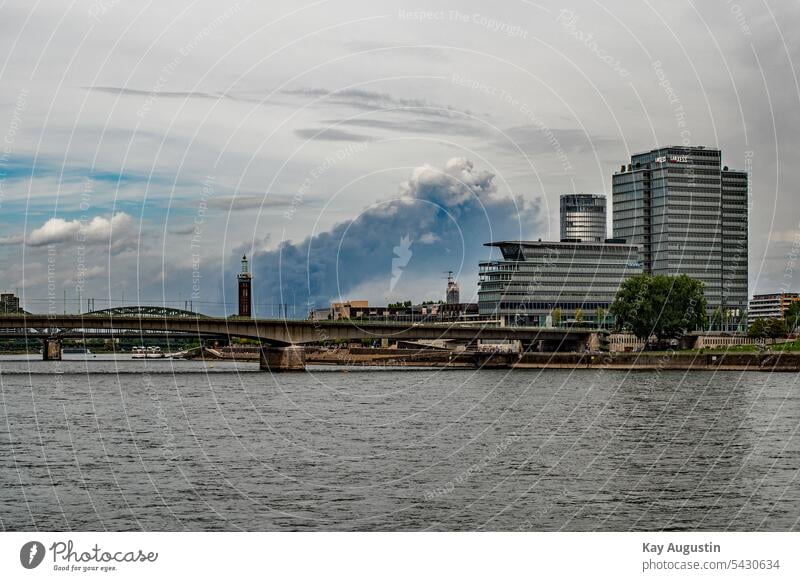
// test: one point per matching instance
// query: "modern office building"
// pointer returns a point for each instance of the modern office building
(547, 283)
(770, 306)
(583, 217)
(689, 215)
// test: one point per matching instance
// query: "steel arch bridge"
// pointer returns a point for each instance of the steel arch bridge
(146, 311)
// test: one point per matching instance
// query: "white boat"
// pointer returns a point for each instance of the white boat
(76, 351)
(147, 353)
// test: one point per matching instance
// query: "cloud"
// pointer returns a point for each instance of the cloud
(331, 135)
(374, 101)
(428, 238)
(250, 202)
(128, 92)
(443, 216)
(98, 230)
(393, 50)
(11, 240)
(183, 230)
(426, 125)
(540, 139)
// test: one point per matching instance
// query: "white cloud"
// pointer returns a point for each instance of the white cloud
(10, 240)
(428, 238)
(98, 230)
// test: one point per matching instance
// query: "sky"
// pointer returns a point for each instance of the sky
(361, 149)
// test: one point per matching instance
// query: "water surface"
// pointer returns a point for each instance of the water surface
(116, 444)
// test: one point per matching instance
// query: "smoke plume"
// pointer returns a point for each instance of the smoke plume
(398, 249)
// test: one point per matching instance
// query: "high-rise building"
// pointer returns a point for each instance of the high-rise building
(245, 287)
(688, 213)
(453, 296)
(583, 217)
(545, 283)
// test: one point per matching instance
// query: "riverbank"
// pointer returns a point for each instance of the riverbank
(789, 362)
(652, 361)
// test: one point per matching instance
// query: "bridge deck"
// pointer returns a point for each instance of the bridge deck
(287, 331)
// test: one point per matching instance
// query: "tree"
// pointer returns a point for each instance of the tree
(600, 314)
(579, 315)
(776, 328)
(792, 316)
(556, 314)
(758, 329)
(665, 306)
(716, 318)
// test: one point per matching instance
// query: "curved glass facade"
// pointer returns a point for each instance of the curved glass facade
(583, 217)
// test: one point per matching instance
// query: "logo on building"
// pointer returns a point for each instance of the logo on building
(673, 158)
(31, 554)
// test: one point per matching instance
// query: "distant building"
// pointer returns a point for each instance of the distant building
(9, 303)
(770, 306)
(689, 215)
(546, 283)
(397, 313)
(245, 290)
(583, 218)
(349, 310)
(453, 296)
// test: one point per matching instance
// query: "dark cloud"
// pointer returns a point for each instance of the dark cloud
(376, 101)
(125, 91)
(183, 230)
(439, 221)
(250, 202)
(332, 135)
(425, 125)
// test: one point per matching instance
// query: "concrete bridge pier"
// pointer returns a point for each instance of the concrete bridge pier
(51, 350)
(279, 359)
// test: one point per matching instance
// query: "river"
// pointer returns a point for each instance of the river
(117, 444)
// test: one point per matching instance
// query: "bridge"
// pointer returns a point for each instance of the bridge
(282, 339)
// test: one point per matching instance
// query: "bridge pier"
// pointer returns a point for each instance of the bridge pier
(279, 359)
(51, 350)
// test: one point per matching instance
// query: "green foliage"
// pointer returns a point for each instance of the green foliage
(768, 329)
(579, 315)
(556, 315)
(664, 306)
(758, 329)
(601, 314)
(793, 316)
(399, 305)
(776, 328)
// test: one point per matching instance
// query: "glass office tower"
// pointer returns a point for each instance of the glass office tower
(583, 217)
(689, 216)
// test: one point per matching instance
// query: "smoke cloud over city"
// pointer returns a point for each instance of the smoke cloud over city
(398, 249)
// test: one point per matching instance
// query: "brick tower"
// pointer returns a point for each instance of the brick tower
(245, 284)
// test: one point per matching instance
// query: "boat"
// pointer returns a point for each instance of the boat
(147, 353)
(76, 351)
